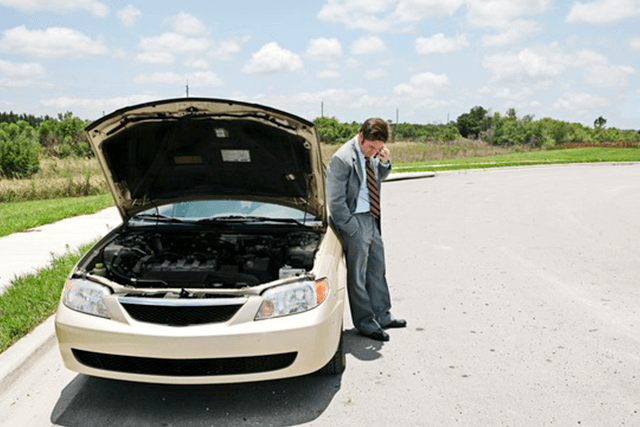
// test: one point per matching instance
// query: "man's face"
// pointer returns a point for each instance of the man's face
(369, 148)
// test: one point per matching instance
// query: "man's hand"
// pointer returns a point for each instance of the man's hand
(384, 154)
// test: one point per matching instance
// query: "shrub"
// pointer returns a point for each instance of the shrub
(64, 137)
(19, 151)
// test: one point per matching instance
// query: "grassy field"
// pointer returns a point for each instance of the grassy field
(57, 178)
(562, 156)
(20, 216)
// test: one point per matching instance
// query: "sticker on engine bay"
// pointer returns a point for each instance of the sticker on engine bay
(236, 156)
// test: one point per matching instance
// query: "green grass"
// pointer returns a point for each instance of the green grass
(20, 216)
(32, 298)
(562, 156)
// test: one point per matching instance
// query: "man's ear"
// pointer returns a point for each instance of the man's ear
(360, 139)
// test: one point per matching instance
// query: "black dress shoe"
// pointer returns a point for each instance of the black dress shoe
(396, 323)
(378, 335)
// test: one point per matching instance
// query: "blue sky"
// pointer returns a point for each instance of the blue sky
(424, 61)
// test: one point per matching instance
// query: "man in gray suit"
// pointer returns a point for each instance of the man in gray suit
(354, 175)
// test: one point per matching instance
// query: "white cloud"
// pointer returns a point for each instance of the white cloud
(542, 65)
(155, 58)
(368, 45)
(504, 16)
(20, 75)
(404, 15)
(439, 43)
(324, 49)
(422, 85)
(501, 13)
(53, 42)
(271, 58)
(385, 15)
(582, 103)
(16, 69)
(603, 11)
(538, 64)
(518, 30)
(327, 74)
(598, 71)
(92, 6)
(185, 23)
(174, 43)
(163, 49)
(129, 15)
(635, 43)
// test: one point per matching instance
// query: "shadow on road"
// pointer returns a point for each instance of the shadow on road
(89, 401)
(92, 402)
(362, 348)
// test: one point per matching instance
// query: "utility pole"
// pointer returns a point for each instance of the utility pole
(321, 108)
(187, 88)
(397, 109)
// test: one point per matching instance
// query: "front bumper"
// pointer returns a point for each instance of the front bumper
(238, 350)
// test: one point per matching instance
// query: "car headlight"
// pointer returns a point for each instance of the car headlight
(293, 298)
(86, 297)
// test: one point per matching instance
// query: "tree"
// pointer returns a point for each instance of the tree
(474, 122)
(600, 122)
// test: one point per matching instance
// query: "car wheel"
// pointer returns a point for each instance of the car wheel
(338, 362)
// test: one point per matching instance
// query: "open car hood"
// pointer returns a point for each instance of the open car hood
(197, 148)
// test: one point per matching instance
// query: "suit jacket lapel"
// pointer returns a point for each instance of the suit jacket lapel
(356, 160)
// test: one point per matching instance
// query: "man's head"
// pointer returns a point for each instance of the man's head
(373, 134)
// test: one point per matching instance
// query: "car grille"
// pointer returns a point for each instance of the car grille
(181, 312)
(185, 367)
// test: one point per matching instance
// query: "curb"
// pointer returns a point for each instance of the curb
(401, 176)
(23, 354)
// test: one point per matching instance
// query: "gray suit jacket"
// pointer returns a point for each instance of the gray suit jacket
(344, 175)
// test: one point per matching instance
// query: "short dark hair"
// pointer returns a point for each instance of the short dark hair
(375, 129)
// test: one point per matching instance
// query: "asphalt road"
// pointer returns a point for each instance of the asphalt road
(521, 288)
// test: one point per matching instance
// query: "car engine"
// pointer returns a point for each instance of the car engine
(206, 260)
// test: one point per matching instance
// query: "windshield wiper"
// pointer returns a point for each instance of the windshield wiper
(157, 217)
(242, 218)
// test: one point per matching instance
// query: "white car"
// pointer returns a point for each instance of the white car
(225, 268)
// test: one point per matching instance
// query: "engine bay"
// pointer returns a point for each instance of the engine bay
(153, 259)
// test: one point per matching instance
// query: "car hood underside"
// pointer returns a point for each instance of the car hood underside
(196, 148)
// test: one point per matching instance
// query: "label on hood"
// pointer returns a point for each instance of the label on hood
(236, 156)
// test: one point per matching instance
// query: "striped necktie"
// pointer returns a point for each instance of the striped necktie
(374, 194)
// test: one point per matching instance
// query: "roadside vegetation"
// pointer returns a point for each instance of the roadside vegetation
(26, 215)
(33, 298)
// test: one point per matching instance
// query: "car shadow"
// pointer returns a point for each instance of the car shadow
(91, 402)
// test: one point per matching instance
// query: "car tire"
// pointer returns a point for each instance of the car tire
(338, 362)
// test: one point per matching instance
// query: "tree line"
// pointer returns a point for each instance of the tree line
(25, 138)
(493, 128)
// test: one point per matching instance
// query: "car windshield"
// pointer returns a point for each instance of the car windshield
(226, 210)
